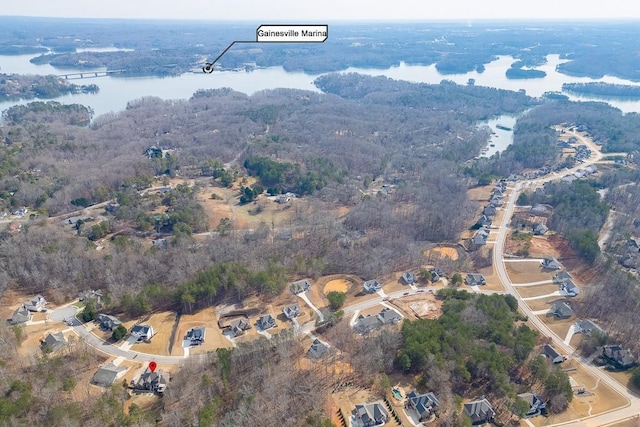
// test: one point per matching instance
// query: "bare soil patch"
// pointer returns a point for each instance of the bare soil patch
(534, 291)
(442, 252)
(337, 285)
(419, 306)
(527, 272)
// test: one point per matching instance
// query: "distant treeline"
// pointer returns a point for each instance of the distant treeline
(603, 89)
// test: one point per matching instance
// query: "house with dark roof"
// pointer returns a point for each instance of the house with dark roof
(108, 322)
(481, 236)
(366, 324)
(550, 353)
(587, 327)
(408, 278)
(106, 375)
(54, 341)
(195, 335)
(388, 315)
(550, 263)
(370, 414)
(291, 311)
(142, 332)
(424, 404)
(237, 327)
(489, 210)
(561, 276)
(317, 349)
(372, 286)
(266, 321)
(484, 221)
(300, 286)
(155, 382)
(37, 303)
(436, 274)
(561, 310)
(479, 411)
(539, 229)
(536, 405)
(620, 357)
(20, 315)
(91, 295)
(569, 288)
(633, 244)
(475, 279)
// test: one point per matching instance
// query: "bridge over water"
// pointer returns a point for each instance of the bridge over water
(89, 74)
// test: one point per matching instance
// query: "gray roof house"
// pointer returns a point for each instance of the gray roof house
(475, 279)
(371, 286)
(480, 411)
(388, 315)
(540, 229)
(536, 405)
(569, 288)
(300, 286)
(561, 277)
(266, 321)
(484, 221)
(423, 404)
(551, 263)
(21, 315)
(108, 374)
(151, 381)
(561, 310)
(291, 311)
(551, 354)
(108, 322)
(489, 210)
(370, 414)
(587, 327)
(196, 335)
(142, 332)
(238, 326)
(617, 355)
(481, 236)
(366, 324)
(317, 349)
(408, 278)
(539, 209)
(436, 274)
(54, 341)
(36, 304)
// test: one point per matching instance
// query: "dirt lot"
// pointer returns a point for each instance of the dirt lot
(538, 290)
(527, 272)
(480, 194)
(559, 327)
(337, 285)
(493, 282)
(347, 398)
(213, 338)
(354, 294)
(422, 306)
(162, 324)
(441, 252)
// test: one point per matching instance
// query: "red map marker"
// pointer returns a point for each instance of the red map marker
(152, 366)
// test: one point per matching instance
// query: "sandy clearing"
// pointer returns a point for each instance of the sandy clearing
(337, 285)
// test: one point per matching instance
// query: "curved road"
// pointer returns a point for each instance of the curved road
(632, 407)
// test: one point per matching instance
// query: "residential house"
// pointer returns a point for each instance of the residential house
(91, 295)
(317, 349)
(489, 210)
(551, 354)
(539, 210)
(15, 226)
(479, 411)
(372, 286)
(591, 169)
(238, 326)
(561, 310)
(475, 279)
(108, 322)
(282, 198)
(618, 356)
(300, 286)
(536, 405)
(551, 263)
(539, 229)
(484, 221)
(633, 244)
(436, 274)
(54, 341)
(496, 200)
(36, 304)
(21, 315)
(196, 335)
(266, 321)
(587, 327)
(142, 332)
(408, 278)
(481, 236)
(160, 243)
(569, 288)
(423, 404)
(291, 311)
(106, 375)
(366, 324)
(370, 414)
(388, 315)
(155, 382)
(561, 276)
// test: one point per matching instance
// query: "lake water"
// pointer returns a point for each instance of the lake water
(115, 92)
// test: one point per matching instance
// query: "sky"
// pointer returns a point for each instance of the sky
(315, 11)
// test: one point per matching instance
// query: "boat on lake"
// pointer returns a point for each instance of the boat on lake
(503, 127)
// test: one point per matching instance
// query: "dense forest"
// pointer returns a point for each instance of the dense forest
(18, 86)
(603, 89)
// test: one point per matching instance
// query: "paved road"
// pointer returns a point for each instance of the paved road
(632, 407)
